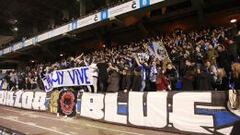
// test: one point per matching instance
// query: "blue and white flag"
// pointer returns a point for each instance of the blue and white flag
(158, 50)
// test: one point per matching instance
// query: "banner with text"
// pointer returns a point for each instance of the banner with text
(68, 77)
(24, 99)
(184, 112)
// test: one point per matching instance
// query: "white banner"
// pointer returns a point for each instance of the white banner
(89, 20)
(43, 36)
(124, 8)
(7, 50)
(60, 30)
(68, 77)
(155, 1)
(190, 112)
(17, 46)
(24, 99)
(28, 42)
(185, 112)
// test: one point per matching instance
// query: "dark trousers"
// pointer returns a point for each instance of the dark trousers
(152, 86)
(102, 85)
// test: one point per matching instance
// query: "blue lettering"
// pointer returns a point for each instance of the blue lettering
(47, 88)
(72, 76)
(78, 106)
(48, 84)
(49, 80)
(55, 80)
(60, 76)
(84, 70)
(76, 74)
(80, 75)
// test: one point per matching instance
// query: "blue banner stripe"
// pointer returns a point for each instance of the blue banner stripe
(104, 14)
(47, 103)
(144, 3)
(78, 106)
(122, 109)
(222, 117)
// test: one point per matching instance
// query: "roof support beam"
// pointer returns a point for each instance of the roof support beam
(82, 6)
(198, 4)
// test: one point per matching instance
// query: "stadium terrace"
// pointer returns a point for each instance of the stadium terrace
(132, 66)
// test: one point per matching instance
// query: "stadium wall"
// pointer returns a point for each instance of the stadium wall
(175, 111)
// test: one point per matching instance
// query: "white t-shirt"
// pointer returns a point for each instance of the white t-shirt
(93, 69)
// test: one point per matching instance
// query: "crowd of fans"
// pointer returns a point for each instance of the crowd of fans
(206, 59)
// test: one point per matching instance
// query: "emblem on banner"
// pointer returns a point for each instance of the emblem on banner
(67, 102)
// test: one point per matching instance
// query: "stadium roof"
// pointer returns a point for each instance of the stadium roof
(29, 14)
(26, 15)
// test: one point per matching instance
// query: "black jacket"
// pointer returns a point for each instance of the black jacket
(188, 78)
(222, 84)
(204, 81)
(224, 61)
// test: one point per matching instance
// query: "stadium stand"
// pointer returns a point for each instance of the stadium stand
(159, 65)
(198, 60)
